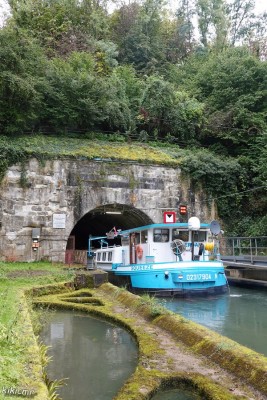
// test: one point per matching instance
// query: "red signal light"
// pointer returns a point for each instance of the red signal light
(182, 210)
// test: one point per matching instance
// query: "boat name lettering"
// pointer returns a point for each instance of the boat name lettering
(141, 267)
(197, 277)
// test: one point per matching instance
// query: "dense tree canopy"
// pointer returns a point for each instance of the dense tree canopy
(194, 76)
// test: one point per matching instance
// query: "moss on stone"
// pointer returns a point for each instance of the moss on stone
(148, 378)
(33, 370)
(235, 358)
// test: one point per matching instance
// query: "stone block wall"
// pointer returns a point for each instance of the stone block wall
(70, 189)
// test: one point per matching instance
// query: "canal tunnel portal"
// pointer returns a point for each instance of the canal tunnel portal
(103, 219)
(75, 198)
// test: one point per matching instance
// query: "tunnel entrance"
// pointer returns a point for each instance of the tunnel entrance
(101, 220)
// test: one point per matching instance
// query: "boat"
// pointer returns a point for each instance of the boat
(164, 259)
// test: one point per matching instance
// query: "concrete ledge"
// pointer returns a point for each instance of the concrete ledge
(246, 282)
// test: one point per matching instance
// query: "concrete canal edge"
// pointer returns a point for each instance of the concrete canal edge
(241, 362)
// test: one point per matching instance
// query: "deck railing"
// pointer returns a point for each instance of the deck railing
(252, 249)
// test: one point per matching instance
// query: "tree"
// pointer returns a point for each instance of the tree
(241, 16)
(166, 112)
(73, 94)
(233, 86)
(140, 41)
(180, 42)
(21, 75)
(133, 88)
(62, 26)
(78, 97)
(212, 22)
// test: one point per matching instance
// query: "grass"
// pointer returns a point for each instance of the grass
(17, 365)
(93, 149)
(20, 357)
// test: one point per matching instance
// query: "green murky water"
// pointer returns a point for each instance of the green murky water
(240, 315)
(96, 357)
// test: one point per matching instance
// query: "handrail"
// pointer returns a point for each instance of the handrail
(254, 248)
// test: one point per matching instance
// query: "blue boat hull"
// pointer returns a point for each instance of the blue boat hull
(177, 281)
(182, 292)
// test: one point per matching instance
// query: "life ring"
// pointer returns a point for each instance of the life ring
(139, 251)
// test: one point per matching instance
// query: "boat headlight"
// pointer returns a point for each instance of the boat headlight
(166, 274)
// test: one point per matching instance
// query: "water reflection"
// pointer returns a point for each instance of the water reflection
(176, 394)
(239, 315)
(95, 356)
(203, 310)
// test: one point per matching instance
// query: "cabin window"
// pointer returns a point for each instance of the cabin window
(179, 234)
(110, 256)
(104, 255)
(125, 240)
(98, 256)
(144, 237)
(161, 235)
(136, 236)
(200, 236)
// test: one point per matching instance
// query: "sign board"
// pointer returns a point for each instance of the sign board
(59, 221)
(36, 232)
(169, 217)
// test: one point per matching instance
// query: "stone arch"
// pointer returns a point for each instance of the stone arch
(102, 219)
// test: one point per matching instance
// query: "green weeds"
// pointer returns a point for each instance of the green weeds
(52, 386)
(15, 341)
(20, 149)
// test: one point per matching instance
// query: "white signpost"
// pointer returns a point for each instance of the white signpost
(59, 221)
(169, 217)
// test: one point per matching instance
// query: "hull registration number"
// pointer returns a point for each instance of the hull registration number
(198, 277)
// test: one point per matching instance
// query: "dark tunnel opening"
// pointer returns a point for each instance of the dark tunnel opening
(103, 219)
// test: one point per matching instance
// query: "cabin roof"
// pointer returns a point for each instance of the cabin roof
(179, 225)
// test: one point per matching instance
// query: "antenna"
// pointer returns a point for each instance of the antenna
(215, 228)
(194, 224)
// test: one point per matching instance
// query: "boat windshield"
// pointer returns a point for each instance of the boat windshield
(180, 234)
(161, 235)
(200, 236)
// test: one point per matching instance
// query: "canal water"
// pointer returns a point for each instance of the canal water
(240, 315)
(176, 394)
(96, 357)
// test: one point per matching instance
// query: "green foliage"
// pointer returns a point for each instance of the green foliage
(218, 177)
(169, 112)
(140, 73)
(72, 93)
(15, 340)
(9, 154)
(62, 26)
(52, 386)
(211, 170)
(232, 86)
(132, 90)
(20, 149)
(21, 69)
(140, 40)
(260, 159)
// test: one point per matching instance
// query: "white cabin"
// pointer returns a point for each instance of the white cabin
(153, 244)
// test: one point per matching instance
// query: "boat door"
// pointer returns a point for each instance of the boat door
(132, 245)
(138, 247)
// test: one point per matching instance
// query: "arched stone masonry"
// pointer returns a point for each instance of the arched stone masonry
(61, 197)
